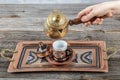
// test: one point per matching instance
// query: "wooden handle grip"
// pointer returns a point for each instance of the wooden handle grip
(75, 21)
(78, 21)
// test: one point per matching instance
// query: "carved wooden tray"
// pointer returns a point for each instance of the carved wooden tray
(89, 56)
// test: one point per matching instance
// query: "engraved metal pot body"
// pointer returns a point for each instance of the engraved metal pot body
(56, 25)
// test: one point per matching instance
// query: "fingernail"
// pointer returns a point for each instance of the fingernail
(83, 18)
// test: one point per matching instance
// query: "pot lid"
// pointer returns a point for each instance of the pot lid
(57, 20)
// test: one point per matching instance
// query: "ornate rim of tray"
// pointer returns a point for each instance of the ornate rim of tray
(100, 65)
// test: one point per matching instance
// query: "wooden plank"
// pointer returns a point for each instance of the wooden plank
(28, 79)
(32, 17)
(36, 24)
(61, 75)
(10, 38)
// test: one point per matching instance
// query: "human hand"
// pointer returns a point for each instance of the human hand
(98, 12)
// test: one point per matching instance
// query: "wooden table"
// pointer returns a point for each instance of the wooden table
(25, 22)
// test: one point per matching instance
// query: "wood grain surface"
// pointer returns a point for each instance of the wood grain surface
(25, 22)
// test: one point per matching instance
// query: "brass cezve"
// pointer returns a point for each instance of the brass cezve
(56, 25)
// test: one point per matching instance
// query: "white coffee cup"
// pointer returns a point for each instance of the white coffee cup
(59, 45)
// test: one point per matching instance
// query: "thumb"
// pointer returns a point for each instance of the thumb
(88, 16)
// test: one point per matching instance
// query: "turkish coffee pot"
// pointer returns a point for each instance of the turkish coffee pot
(56, 25)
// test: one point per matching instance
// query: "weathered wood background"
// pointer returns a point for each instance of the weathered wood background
(25, 22)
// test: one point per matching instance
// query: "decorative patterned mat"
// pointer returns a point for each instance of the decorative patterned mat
(88, 56)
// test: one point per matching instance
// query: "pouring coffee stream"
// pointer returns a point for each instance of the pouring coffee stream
(56, 25)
